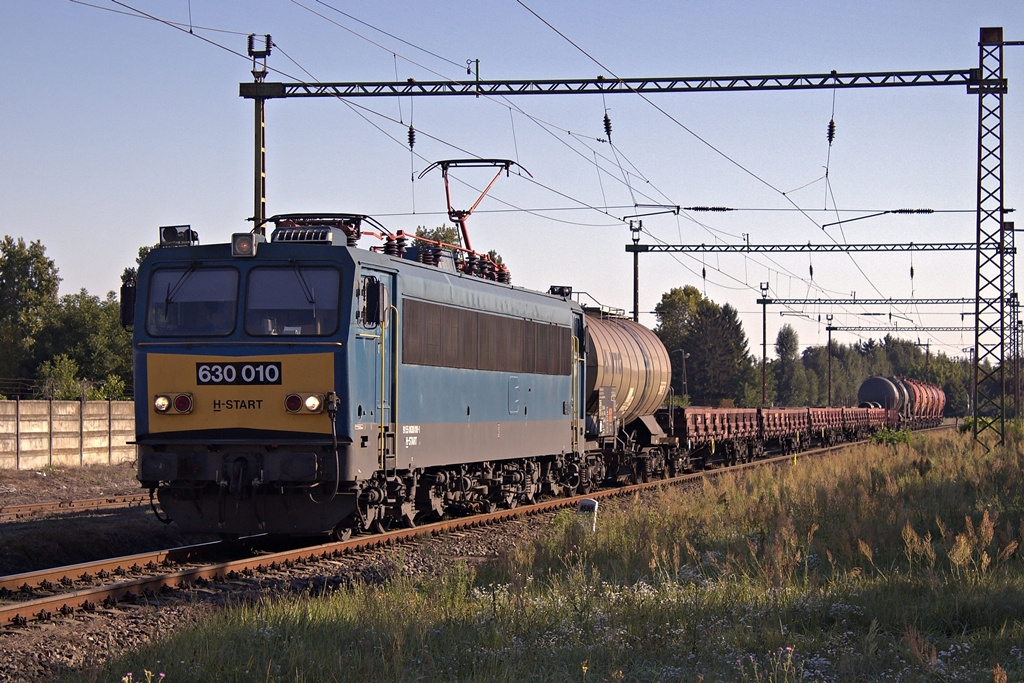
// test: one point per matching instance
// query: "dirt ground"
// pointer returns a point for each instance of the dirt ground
(66, 483)
(70, 538)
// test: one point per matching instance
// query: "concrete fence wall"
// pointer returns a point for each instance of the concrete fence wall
(35, 434)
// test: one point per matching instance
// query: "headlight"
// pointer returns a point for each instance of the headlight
(161, 404)
(244, 244)
(313, 403)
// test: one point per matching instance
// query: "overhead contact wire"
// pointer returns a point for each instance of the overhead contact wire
(342, 26)
(677, 122)
(140, 14)
(664, 112)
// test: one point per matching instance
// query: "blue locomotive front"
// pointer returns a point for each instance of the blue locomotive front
(304, 385)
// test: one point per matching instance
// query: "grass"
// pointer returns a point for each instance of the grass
(898, 562)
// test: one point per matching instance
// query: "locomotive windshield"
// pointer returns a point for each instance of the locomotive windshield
(296, 300)
(192, 301)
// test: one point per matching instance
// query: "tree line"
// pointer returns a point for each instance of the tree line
(720, 370)
(57, 347)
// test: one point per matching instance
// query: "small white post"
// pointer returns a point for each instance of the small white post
(588, 508)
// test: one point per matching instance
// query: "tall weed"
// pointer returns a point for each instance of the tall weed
(872, 565)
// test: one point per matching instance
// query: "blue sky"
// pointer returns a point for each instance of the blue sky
(112, 125)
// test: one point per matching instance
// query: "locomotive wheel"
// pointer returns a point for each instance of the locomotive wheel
(341, 533)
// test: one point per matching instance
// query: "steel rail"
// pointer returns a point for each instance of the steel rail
(16, 512)
(86, 571)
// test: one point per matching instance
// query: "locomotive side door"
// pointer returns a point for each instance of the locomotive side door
(375, 359)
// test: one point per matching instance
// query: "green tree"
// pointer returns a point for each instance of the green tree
(815, 360)
(86, 330)
(130, 274)
(61, 382)
(28, 290)
(877, 361)
(751, 388)
(60, 379)
(450, 234)
(790, 374)
(717, 362)
(905, 357)
(447, 234)
(816, 390)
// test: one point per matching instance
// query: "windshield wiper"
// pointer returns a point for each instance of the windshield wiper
(307, 289)
(173, 291)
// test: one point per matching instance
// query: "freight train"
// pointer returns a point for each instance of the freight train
(304, 385)
(918, 404)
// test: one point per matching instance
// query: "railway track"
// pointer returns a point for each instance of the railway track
(87, 587)
(10, 513)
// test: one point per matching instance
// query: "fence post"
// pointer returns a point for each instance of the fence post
(110, 432)
(49, 433)
(17, 434)
(81, 432)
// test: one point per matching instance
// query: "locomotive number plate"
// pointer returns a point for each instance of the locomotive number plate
(264, 372)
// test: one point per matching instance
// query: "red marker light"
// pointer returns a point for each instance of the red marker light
(183, 403)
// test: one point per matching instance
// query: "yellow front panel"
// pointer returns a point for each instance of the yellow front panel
(242, 405)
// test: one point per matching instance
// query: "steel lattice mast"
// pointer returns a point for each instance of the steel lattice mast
(989, 336)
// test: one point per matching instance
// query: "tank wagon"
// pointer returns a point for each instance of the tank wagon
(304, 385)
(918, 404)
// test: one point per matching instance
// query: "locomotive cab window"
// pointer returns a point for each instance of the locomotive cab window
(192, 302)
(298, 300)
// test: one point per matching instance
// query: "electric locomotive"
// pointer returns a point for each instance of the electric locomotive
(303, 385)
